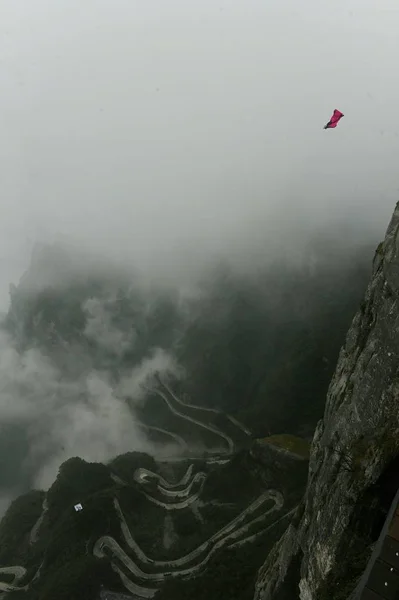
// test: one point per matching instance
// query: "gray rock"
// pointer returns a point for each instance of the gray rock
(349, 482)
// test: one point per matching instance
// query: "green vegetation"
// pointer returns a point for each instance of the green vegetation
(16, 526)
(66, 540)
(230, 574)
(7, 577)
(221, 483)
(125, 465)
(144, 519)
(75, 532)
(76, 481)
(80, 578)
(292, 443)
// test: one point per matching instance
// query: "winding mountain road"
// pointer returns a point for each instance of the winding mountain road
(221, 538)
(177, 438)
(177, 505)
(141, 475)
(18, 572)
(227, 439)
(177, 496)
(166, 488)
(35, 529)
(215, 411)
(228, 530)
(233, 534)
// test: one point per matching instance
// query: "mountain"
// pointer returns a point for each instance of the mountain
(180, 422)
(125, 518)
(353, 469)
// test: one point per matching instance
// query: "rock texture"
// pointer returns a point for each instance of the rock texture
(353, 469)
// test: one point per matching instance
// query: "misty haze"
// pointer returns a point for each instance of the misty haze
(183, 249)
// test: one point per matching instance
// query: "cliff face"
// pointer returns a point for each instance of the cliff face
(353, 469)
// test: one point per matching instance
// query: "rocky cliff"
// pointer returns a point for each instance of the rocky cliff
(353, 469)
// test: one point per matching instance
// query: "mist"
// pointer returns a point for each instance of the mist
(161, 138)
(60, 417)
(166, 135)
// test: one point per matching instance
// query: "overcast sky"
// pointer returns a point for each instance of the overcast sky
(165, 131)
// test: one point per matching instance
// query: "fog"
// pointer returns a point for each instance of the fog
(62, 417)
(166, 135)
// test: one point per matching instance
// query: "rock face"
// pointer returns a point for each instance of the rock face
(354, 467)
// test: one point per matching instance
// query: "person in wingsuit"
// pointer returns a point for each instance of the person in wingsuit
(333, 122)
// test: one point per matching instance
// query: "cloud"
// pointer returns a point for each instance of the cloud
(5, 501)
(61, 418)
(96, 429)
(99, 327)
(160, 362)
(167, 136)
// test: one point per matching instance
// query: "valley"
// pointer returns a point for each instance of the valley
(248, 516)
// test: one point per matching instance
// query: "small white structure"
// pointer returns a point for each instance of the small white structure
(78, 507)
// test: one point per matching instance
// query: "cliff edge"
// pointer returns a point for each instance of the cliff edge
(354, 465)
